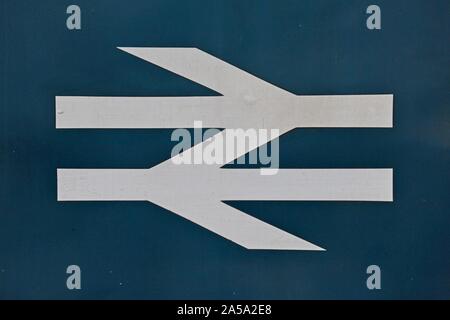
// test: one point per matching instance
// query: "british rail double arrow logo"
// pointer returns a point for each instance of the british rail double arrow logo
(196, 192)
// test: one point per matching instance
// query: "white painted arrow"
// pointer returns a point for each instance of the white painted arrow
(247, 102)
